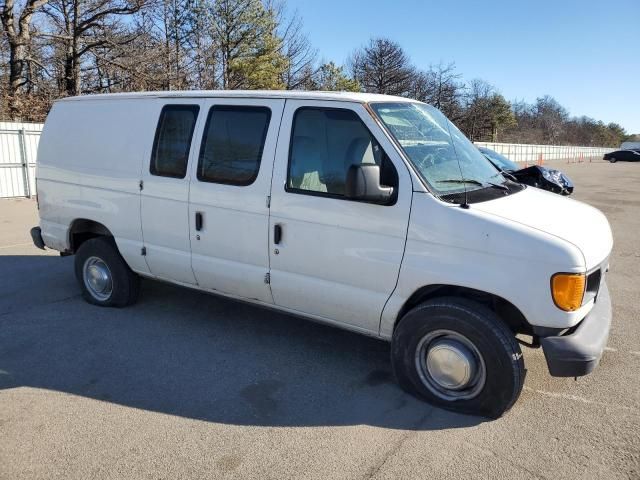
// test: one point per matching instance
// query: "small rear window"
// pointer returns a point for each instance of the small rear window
(173, 140)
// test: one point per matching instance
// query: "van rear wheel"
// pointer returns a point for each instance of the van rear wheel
(458, 355)
(105, 278)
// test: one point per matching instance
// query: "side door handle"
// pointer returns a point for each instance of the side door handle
(277, 233)
(199, 221)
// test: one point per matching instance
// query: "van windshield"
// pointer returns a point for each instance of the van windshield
(442, 155)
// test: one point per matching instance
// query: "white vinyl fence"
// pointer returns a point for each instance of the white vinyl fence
(535, 154)
(19, 145)
(18, 149)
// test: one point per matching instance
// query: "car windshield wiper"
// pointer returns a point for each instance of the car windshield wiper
(474, 182)
(497, 185)
(508, 174)
(460, 180)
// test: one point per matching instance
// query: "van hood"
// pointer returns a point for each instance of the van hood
(578, 223)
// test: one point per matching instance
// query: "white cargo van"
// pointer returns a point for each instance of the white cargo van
(368, 212)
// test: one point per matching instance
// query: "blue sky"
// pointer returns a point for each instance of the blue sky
(586, 54)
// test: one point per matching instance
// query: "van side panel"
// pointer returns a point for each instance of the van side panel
(89, 164)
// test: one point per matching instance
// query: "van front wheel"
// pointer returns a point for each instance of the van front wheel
(459, 355)
(105, 278)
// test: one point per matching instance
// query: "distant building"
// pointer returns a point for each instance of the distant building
(630, 145)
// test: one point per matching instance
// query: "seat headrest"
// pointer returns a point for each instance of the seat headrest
(360, 151)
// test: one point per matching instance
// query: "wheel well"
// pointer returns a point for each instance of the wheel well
(507, 311)
(82, 230)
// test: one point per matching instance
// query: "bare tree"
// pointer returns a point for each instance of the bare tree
(176, 25)
(17, 30)
(296, 48)
(171, 46)
(83, 27)
(551, 117)
(422, 86)
(382, 66)
(439, 86)
(446, 89)
(203, 49)
(143, 62)
(477, 106)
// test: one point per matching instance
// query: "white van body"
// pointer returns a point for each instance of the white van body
(353, 264)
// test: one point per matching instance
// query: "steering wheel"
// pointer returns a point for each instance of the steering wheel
(429, 160)
(433, 156)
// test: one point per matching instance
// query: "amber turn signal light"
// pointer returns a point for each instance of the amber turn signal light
(567, 290)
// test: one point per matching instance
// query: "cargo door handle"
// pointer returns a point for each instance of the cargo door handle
(277, 234)
(198, 221)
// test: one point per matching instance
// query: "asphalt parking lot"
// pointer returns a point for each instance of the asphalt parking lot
(188, 385)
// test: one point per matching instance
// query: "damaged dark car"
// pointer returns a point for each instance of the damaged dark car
(536, 176)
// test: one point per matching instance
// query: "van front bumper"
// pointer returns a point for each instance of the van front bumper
(579, 353)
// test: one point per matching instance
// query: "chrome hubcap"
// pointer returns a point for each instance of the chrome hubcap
(97, 278)
(450, 365)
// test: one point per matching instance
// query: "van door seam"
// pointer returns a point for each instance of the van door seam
(404, 249)
(190, 166)
(270, 196)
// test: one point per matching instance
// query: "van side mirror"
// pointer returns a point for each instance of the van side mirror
(363, 183)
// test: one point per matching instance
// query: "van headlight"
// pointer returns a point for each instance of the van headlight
(567, 290)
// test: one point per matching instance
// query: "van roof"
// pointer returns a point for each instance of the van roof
(284, 94)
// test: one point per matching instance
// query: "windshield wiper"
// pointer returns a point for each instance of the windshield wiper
(460, 180)
(505, 173)
(474, 182)
(497, 185)
(509, 175)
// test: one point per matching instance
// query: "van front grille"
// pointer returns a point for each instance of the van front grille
(593, 285)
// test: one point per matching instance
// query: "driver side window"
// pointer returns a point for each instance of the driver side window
(325, 142)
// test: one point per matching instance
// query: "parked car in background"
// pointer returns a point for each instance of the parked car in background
(536, 176)
(623, 155)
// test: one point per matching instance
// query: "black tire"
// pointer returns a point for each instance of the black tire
(125, 284)
(503, 365)
(613, 160)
